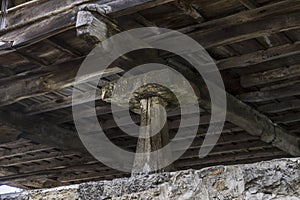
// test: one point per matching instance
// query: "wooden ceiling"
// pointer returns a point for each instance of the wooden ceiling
(255, 44)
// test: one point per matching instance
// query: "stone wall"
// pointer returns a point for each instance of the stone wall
(277, 179)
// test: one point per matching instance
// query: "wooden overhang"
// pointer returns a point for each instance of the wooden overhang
(255, 44)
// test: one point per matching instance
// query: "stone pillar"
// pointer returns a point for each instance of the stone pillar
(153, 119)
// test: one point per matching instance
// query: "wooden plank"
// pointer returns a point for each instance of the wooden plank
(4, 6)
(250, 4)
(69, 19)
(119, 8)
(230, 157)
(48, 79)
(42, 132)
(287, 118)
(245, 31)
(189, 10)
(282, 7)
(65, 102)
(51, 18)
(38, 10)
(270, 76)
(26, 159)
(7, 153)
(229, 148)
(38, 31)
(259, 56)
(280, 107)
(260, 96)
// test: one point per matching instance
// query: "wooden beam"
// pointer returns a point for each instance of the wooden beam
(274, 9)
(260, 96)
(259, 56)
(48, 79)
(287, 118)
(270, 76)
(229, 148)
(254, 122)
(67, 174)
(66, 20)
(42, 132)
(250, 4)
(258, 124)
(7, 153)
(231, 157)
(208, 40)
(56, 16)
(189, 10)
(65, 102)
(119, 8)
(245, 31)
(4, 6)
(280, 107)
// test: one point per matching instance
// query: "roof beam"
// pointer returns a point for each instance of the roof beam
(48, 79)
(260, 96)
(41, 131)
(189, 10)
(280, 107)
(270, 76)
(250, 4)
(259, 56)
(210, 37)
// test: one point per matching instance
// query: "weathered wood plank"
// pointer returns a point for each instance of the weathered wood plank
(287, 118)
(245, 31)
(42, 132)
(189, 10)
(44, 81)
(119, 8)
(270, 76)
(38, 31)
(271, 10)
(259, 56)
(280, 107)
(227, 158)
(250, 4)
(260, 96)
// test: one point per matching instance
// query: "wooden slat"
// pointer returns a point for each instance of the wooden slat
(280, 107)
(287, 118)
(246, 31)
(260, 96)
(270, 76)
(47, 80)
(230, 157)
(42, 132)
(259, 56)
(250, 4)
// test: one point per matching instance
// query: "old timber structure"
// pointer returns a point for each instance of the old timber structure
(255, 44)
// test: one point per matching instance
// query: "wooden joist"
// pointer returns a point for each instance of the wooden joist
(259, 56)
(85, 168)
(270, 76)
(287, 118)
(41, 131)
(260, 96)
(206, 38)
(280, 107)
(46, 80)
(250, 4)
(189, 10)
(222, 159)
(245, 31)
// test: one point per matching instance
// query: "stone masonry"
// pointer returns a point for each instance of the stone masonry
(276, 179)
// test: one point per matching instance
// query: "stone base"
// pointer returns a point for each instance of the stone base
(276, 179)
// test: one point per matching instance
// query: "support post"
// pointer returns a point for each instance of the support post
(153, 117)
